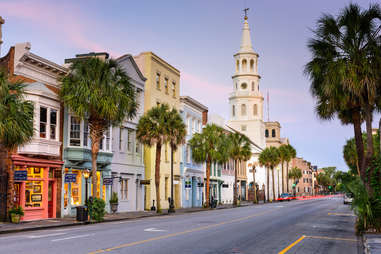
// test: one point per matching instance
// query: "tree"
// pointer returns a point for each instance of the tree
(176, 136)
(16, 126)
(153, 130)
(100, 92)
(291, 153)
(295, 174)
(284, 154)
(240, 150)
(269, 158)
(344, 71)
(210, 146)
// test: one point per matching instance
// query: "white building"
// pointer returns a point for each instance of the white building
(127, 162)
(246, 103)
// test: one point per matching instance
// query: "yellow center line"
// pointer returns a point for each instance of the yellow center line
(332, 238)
(292, 245)
(178, 233)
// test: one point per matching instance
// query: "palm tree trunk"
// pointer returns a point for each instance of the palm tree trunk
(207, 182)
(273, 185)
(359, 143)
(268, 184)
(11, 184)
(235, 184)
(288, 179)
(95, 136)
(282, 176)
(157, 176)
(278, 184)
(255, 186)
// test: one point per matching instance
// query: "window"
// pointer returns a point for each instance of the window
(252, 86)
(251, 65)
(237, 66)
(130, 135)
(124, 188)
(174, 88)
(158, 81)
(188, 151)
(86, 134)
(120, 138)
(166, 188)
(166, 152)
(189, 126)
(273, 133)
(255, 109)
(166, 85)
(43, 121)
(243, 86)
(233, 110)
(108, 139)
(53, 123)
(243, 128)
(267, 133)
(75, 131)
(244, 65)
(137, 146)
(243, 109)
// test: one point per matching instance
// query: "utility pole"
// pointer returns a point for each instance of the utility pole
(2, 21)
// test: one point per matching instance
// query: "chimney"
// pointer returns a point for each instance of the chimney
(1, 34)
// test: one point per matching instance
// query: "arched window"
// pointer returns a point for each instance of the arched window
(252, 65)
(233, 110)
(255, 109)
(243, 86)
(244, 65)
(267, 133)
(243, 109)
(237, 66)
(236, 86)
(252, 86)
(273, 133)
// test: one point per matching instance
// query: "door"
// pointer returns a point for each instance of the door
(51, 199)
(3, 196)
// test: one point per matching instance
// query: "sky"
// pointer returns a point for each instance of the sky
(199, 38)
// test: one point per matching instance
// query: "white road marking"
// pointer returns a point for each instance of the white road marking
(154, 230)
(71, 237)
(42, 236)
(279, 206)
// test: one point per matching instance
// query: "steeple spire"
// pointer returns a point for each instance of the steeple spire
(246, 39)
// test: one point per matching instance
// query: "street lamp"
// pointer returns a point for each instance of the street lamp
(86, 175)
(171, 205)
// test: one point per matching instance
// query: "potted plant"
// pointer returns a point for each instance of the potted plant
(16, 213)
(114, 202)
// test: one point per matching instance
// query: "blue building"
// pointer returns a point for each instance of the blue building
(192, 174)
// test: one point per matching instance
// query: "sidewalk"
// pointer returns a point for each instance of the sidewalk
(372, 243)
(71, 221)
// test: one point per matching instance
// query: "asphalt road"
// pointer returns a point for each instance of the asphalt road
(310, 226)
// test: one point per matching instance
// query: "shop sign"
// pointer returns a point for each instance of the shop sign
(200, 184)
(225, 186)
(107, 181)
(21, 175)
(70, 178)
(188, 184)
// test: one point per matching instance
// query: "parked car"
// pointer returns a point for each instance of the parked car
(348, 197)
(284, 197)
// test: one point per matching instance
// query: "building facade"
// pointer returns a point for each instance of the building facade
(305, 184)
(38, 192)
(194, 115)
(162, 86)
(77, 186)
(127, 165)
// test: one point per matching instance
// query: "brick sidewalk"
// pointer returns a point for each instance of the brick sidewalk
(71, 221)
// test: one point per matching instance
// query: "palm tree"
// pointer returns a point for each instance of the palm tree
(344, 71)
(176, 136)
(240, 150)
(291, 153)
(100, 92)
(153, 130)
(16, 125)
(283, 155)
(210, 146)
(269, 158)
(295, 174)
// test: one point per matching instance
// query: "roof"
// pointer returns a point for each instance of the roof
(193, 102)
(131, 58)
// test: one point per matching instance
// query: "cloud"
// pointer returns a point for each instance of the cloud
(64, 21)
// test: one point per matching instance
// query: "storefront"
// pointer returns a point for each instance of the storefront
(37, 184)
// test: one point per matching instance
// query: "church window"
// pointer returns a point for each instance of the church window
(244, 65)
(252, 86)
(273, 133)
(243, 109)
(267, 133)
(252, 65)
(158, 81)
(237, 66)
(255, 109)
(166, 85)
(174, 89)
(233, 110)
(243, 86)
(243, 128)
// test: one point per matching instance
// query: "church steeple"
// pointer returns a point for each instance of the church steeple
(246, 46)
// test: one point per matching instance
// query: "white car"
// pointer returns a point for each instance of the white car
(348, 198)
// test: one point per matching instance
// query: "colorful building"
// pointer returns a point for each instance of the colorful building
(77, 185)
(127, 164)
(162, 86)
(194, 115)
(305, 185)
(37, 164)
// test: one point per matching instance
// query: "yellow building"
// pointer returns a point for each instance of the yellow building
(162, 86)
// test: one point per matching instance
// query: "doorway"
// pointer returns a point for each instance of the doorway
(51, 200)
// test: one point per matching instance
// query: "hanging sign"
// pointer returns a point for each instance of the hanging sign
(107, 181)
(70, 178)
(188, 184)
(21, 175)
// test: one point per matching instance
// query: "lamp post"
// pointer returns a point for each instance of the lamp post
(254, 185)
(86, 174)
(171, 205)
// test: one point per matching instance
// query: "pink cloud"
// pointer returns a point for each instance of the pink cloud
(61, 20)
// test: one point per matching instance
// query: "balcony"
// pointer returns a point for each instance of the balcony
(41, 147)
(80, 154)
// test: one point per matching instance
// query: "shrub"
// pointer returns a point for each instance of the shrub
(17, 210)
(97, 209)
(114, 198)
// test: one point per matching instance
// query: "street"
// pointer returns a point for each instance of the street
(308, 226)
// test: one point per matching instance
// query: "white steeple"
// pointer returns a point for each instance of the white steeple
(246, 46)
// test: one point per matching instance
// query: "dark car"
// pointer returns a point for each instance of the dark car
(284, 197)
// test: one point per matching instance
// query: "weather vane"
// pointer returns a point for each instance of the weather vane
(246, 10)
